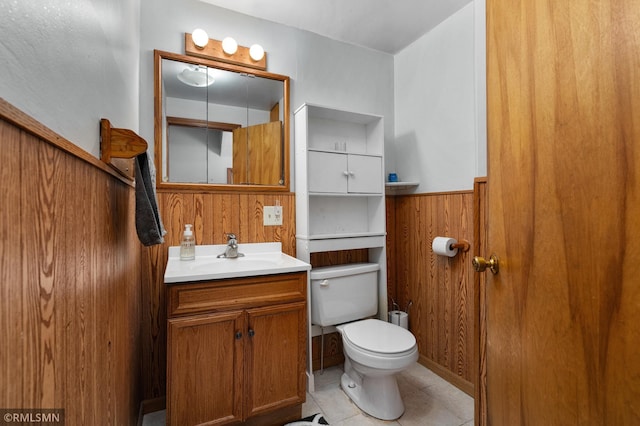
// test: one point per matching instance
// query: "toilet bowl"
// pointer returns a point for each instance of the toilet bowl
(374, 352)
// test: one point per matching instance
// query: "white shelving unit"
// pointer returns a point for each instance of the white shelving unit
(340, 190)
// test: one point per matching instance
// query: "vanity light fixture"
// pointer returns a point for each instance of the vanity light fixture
(227, 51)
(200, 38)
(229, 45)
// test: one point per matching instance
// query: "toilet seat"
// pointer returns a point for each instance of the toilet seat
(381, 345)
(379, 337)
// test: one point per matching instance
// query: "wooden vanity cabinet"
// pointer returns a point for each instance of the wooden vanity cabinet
(236, 351)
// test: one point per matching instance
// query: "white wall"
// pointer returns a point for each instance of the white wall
(437, 138)
(480, 35)
(322, 71)
(70, 63)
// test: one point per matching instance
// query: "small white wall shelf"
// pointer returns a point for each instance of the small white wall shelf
(340, 190)
(393, 187)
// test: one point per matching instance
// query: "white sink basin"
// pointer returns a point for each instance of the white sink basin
(258, 259)
(237, 264)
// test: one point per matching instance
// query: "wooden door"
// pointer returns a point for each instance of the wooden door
(240, 155)
(276, 357)
(563, 314)
(204, 369)
(265, 153)
(257, 154)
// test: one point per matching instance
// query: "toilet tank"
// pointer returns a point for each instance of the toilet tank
(344, 293)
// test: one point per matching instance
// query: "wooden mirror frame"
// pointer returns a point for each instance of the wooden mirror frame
(157, 89)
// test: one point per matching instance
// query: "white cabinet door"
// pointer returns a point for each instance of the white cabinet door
(344, 173)
(327, 172)
(365, 174)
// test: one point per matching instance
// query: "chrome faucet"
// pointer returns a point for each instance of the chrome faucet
(231, 252)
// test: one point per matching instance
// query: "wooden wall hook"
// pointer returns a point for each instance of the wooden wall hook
(119, 146)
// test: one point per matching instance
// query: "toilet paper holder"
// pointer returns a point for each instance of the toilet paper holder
(461, 245)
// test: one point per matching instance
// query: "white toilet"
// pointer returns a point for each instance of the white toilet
(347, 296)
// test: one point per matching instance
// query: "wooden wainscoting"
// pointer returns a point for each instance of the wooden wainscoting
(213, 215)
(441, 288)
(69, 279)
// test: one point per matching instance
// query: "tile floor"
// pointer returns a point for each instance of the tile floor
(428, 399)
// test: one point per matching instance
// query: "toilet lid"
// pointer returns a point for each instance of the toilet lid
(379, 336)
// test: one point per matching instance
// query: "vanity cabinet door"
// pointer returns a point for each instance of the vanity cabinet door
(275, 357)
(205, 368)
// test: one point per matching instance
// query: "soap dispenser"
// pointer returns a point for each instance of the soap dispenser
(188, 244)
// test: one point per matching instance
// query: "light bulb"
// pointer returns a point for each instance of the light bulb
(256, 52)
(200, 38)
(229, 45)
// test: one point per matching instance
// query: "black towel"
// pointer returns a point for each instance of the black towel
(148, 223)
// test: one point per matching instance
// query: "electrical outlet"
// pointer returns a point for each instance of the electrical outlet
(272, 215)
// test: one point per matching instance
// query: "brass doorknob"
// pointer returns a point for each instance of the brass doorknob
(480, 264)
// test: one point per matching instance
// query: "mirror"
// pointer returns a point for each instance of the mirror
(220, 126)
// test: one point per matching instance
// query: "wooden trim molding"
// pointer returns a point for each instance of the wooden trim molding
(462, 384)
(30, 125)
(201, 124)
(479, 280)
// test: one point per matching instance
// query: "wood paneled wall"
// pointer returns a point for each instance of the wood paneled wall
(442, 291)
(75, 320)
(441, 288)
(213, 215)
(69, 279)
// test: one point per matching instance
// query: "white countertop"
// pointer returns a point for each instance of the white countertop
(259, 259)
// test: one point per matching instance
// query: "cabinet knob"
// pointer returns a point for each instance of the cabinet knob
(346, 173)
(352, 174)
(238, 335)
(251, 332)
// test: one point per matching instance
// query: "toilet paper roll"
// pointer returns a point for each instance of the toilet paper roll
(442, 246)
(400, 318)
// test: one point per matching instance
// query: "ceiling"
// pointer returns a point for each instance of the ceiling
(384, 25)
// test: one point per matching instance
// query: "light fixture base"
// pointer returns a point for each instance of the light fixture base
(213, 50)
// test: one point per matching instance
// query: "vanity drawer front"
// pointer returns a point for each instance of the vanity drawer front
(222, 295)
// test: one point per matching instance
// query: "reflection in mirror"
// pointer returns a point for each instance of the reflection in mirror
(199, 151)
(220, 125)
